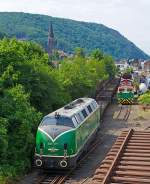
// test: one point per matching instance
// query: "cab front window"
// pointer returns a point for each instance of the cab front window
(58, 121)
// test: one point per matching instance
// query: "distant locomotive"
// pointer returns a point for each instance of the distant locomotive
(64, 134)
(125, 93)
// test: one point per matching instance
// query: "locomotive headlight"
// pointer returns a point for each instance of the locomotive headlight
(63, 163)
(38, 162)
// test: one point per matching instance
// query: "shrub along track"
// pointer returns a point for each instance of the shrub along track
(128, 161)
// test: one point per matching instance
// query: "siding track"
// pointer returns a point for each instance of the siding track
(125, 111)
(128, 161)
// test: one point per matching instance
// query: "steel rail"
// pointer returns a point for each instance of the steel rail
(119, 111)
(128, 160)
(127, 114)
(107, 177)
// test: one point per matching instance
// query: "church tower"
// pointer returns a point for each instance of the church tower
(51, 40)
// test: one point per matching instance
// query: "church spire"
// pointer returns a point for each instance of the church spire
(51, 32)
(51, 40)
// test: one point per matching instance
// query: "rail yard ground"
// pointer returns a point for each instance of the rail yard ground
(111, 128)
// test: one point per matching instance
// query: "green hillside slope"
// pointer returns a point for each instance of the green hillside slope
(69, 33)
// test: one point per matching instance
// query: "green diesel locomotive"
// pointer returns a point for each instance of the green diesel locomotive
(63, 135)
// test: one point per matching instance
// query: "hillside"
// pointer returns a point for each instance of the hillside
(2, 35)
(69, 34)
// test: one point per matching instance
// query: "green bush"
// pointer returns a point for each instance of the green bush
(144, 99)
(18, 122)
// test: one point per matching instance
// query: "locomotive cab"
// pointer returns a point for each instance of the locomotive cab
(56, 125)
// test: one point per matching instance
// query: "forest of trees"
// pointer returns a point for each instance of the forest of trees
(30, 88)
(69, 34)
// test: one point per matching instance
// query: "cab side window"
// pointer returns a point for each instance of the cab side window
(75, 121)
(79, 118)
(92, 106)
(84, 113)
(89, 108)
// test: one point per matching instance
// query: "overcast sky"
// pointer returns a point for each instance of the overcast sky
(129, 17)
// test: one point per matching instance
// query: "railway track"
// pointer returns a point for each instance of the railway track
(106, 91)
(124, 113)
(128, 161)
(64, 178)
(51, 179)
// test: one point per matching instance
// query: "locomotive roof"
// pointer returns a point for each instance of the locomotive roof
(72, 108)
